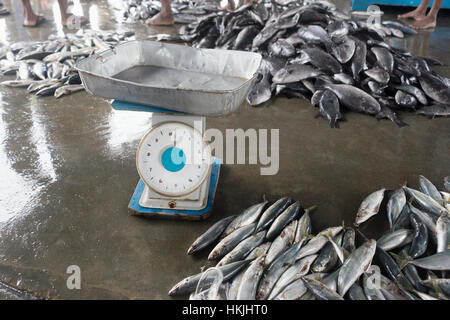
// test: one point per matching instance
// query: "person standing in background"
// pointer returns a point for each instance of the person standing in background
(423, 20)
(164, 17)
(3, 11)
(33, 20)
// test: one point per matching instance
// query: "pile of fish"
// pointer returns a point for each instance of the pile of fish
(319, 54)
(183, 11)
(270, 252)
(48, 67)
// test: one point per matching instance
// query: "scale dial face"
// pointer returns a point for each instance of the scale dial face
(173, 159)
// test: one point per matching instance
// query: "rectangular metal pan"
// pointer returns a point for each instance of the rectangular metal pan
(207, 82)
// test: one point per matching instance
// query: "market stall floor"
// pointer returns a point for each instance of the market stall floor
(67, 172)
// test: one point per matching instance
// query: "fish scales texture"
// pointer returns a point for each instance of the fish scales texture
(355, 265)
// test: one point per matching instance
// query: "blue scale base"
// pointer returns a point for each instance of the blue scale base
(135, 208)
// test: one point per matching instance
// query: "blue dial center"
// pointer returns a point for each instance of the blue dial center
(173, 159)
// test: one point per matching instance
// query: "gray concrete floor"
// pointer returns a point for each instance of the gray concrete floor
(67, 170)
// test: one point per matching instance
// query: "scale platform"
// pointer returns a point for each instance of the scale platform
(138, 206)
(135, 208)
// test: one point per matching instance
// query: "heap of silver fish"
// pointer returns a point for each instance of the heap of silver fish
(270, 252)
(322, 55)
(48, 67)
(183, 11)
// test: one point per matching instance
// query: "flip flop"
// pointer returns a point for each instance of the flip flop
(4, 12)
(39, 20)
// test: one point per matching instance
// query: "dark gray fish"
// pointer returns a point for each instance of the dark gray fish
(287, 22)
(289, 214)
(416, 92)
(281, 48)
(358, 61)
(210, 235)
(435, 88)
(405, 100)
(354, 98)
(348, 240)
(391, 269)
(295, 39)
(245, 38)
(295, 72)
(272, 212)
(375, 87)
(399, 26)
(385, 59)
(343, 78)
(379, 75)
(320, 59)
(387, 113)
(420, 240)
(231, 241)
(343, 49)
(435, 110)
(338, 28)
(314, 34)
(48, 91)
(260, 91)
(329, 108)
(265, 35)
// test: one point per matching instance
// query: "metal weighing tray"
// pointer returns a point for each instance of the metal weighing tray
(208, 82)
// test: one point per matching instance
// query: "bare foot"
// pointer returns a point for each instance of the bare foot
(416, 14)
(428, 22)
(33, 20)
(73, 22)
(161, 20)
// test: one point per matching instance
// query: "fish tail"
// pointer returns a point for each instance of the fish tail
(310, 209)
(334, 123)
(402, 260)
(400, 123)
(362, 234)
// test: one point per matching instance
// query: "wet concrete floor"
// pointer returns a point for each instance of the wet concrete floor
(67, 170)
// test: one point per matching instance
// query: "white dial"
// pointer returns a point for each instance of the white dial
(173, 159)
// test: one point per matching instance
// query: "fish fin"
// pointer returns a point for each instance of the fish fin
(310, 209)
(362, 234)
(264, 197)
(307, 236)
(319, 115)
(400, 123)
(334, 124)
(403, 260)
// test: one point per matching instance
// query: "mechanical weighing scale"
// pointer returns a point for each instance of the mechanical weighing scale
(178, 174)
